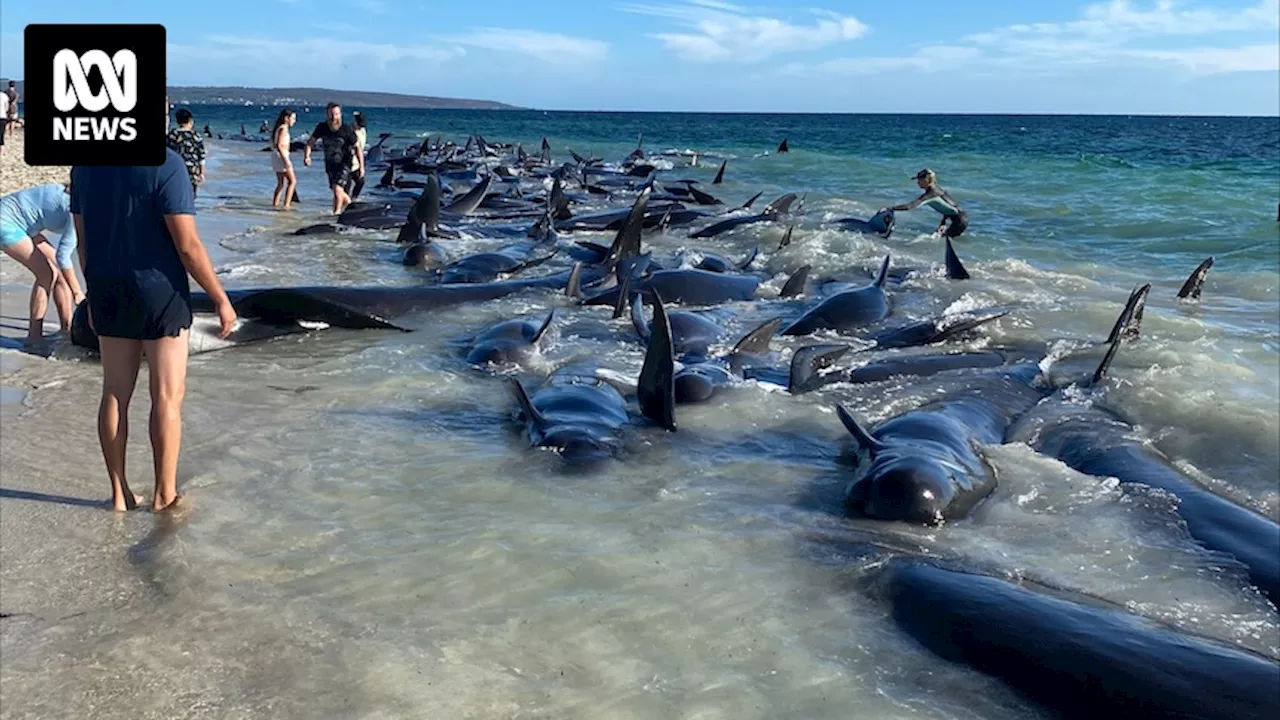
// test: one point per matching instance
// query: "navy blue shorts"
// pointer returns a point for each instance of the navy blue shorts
(145, 306)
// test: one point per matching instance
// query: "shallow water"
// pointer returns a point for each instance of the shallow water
(370, 537)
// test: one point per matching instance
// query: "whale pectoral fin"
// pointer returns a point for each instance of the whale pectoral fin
(656, 389)
(884, 272)
(534, 263)
(955, 268)
(1195, 282)
(965, 326)
(285, 306)
(750, 258)
(864, 438)
(638, 320)
(531, 413)
(808, 361)
(747, 205)
(795, 284)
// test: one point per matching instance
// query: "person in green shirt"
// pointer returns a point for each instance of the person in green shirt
(954, 219)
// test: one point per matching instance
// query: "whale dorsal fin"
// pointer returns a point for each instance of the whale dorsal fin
(1195, 282)
(955, 268)
(786, 237)
(795, 283)
(757, 341)
(1105, 365)
(656, 389)
(526, 405)
(720, 175)
(546, 325)
(864, 438)
(638, 320)
(884, 272)
(808, 360)
(573, 288)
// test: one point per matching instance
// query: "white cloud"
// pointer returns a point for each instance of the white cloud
(301, 60)
(932, 58)
(548, 47)
(1113, 33)
(726, 32)
(1209, 61)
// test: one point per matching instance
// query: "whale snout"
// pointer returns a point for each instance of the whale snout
(497, 354)
(578, 447)
(691, 387)
(906, 491)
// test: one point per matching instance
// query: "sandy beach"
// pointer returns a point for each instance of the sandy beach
(15, 174)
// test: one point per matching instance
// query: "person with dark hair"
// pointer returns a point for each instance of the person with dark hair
(362, 136)
(340, 145)
(286, 179)
(11, 115)
(138, 242)
(185, 141)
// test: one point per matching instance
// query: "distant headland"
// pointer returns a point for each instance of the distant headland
(312, 97)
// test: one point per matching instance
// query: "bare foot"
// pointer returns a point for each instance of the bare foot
(176, 503)
(123, 505)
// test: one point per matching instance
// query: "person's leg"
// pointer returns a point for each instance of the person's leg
(61, 291)
(167, 365)
(290, 189)
(957, 226)
(24, 251)
(275, 197)
(121, 358)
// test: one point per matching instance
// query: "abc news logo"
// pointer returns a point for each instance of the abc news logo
(94, 94)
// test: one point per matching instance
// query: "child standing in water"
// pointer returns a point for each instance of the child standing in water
(286, 180)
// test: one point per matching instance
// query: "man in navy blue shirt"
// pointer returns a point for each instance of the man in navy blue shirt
(138, 241)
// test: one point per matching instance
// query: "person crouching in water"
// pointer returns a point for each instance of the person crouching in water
(954, 219)
(24, 215)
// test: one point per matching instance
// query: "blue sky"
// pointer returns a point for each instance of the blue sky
(1212, 57)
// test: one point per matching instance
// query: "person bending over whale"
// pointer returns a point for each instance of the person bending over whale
(938, 199)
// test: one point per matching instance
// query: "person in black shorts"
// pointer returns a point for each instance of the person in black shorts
(138, 242)
(340, 146)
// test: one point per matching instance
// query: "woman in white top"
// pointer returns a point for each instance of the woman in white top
(362, 136)
(286, 180)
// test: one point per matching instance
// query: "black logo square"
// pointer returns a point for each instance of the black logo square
(94, 94)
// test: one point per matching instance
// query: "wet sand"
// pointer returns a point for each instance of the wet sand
(69, 568)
